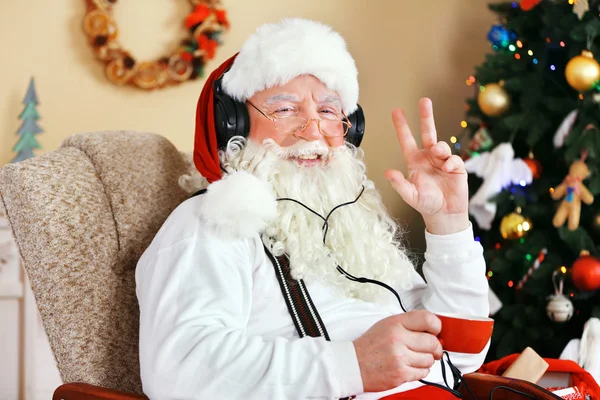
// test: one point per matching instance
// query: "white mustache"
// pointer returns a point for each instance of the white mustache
(297, 149)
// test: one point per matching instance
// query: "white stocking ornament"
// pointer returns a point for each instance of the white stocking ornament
(559, 308)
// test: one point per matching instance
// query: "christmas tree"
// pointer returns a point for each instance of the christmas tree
(29, 128)
(531, 145)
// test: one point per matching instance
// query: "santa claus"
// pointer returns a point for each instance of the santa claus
(285, 277)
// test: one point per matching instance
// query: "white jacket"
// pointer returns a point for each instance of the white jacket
(214, 324)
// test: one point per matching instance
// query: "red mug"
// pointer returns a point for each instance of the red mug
(464, 333)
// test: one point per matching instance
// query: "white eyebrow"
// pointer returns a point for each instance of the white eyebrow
(282, 97)
(295, 99)
(331, 100)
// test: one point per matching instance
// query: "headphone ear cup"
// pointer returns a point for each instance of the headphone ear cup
(231, 116)
(357, 130)
(231, 119)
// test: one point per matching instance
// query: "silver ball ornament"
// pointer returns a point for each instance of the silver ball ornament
(559, 308)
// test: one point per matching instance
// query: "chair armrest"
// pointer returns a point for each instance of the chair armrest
(482, 385)
(84, 391)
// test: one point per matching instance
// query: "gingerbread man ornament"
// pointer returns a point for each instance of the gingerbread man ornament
(574, 192)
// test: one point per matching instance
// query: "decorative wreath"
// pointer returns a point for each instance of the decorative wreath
(206, 24)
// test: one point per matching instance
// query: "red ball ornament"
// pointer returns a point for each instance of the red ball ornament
(585, 272)
(527, 5)
(535, 166)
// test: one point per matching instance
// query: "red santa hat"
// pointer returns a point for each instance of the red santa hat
(272, 56)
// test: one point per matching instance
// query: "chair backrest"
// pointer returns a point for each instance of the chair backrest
(82, 216)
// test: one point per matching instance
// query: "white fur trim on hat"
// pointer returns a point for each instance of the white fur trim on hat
(238, 206)
(277, 53)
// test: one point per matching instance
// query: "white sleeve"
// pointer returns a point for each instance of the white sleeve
(455, 270)
(195, 298)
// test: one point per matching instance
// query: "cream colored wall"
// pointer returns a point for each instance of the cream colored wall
(405, 49)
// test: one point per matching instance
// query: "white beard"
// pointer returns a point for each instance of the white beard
(362, 237)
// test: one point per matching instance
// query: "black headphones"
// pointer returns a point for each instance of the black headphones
(231, 119)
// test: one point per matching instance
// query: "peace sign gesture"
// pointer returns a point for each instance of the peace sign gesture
(437, 180)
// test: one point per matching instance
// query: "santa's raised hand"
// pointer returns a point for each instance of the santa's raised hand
(436, 185)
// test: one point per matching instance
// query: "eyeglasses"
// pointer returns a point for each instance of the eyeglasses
(332, 125)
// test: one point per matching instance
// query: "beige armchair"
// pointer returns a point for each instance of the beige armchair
(82, 216)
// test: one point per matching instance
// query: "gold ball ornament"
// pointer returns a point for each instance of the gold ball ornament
(493, 99)
(596, 222)
(582, 71)
(515, 226)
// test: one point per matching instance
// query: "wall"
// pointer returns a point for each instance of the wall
(404, 50)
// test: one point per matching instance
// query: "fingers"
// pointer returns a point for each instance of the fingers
(414, 374)
(405, 189)
(405, 137)
(425, 343)
(441, 150)
(454, 164)
(421, 321)
(420, 360)
(428, 132)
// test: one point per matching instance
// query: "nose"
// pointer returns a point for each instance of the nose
(310, 131)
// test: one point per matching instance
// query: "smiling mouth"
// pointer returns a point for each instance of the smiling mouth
(308, 160)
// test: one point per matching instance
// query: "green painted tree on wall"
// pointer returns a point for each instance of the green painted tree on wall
(29, 128)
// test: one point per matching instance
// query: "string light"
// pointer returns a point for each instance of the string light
(535, 61)
(518, 56)
(453, 138)
(519, 44)
(571, 294)
(552, 67)
(490, 274)
(512, 47)
(563, 269)
(523, 183)
(571, 1)
(562, 44)
(477, 238)
(551, 190)
(580, 96)
(457, 146)
(522, 240)
(530, 52)
(498, 245)
(528, 257)
(510, 283)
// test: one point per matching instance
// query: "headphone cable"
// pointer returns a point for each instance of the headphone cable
(456, 373)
